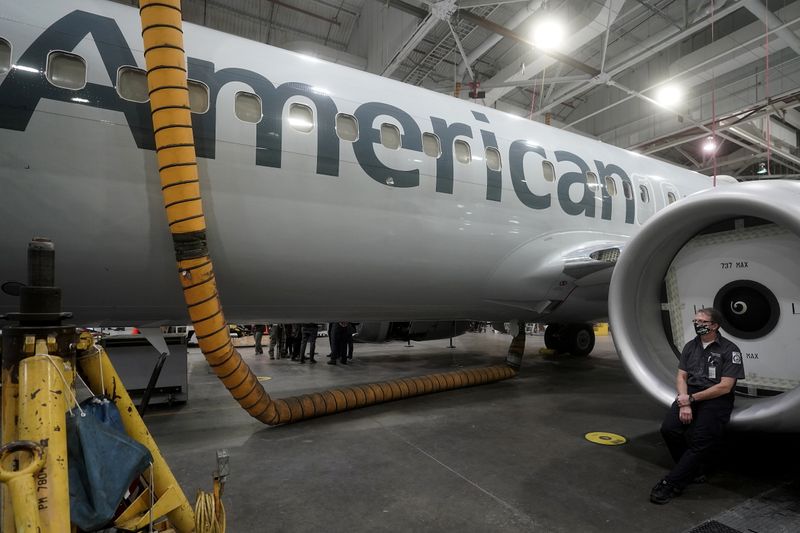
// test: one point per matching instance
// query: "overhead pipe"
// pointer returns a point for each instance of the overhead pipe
(169, 103)
(762, 12)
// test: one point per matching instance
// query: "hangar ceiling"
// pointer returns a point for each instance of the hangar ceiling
(737, 62)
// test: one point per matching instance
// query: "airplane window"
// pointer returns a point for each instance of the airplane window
(626, 188)
(347, 127)
(549, 171)
(5, 56)
(248, 107)
(611, 186)
(671, 198)
(591, 181)
(301, 117)
(463, 154)
(644, 194)
(390, 136)
(198, 96)
(132, 84)
(493, 160)
(66, 70)
(431, 145)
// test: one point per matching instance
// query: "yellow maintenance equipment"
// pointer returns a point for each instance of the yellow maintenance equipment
(38, 367)
(601, 329)
(42, 418)
(8, 432)
(37, 363)
(22, 485)
(169, 499)
(169, 104)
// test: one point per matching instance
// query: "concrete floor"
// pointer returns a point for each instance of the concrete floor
(509, 456)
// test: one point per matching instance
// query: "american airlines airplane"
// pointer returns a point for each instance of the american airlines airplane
(332, 194)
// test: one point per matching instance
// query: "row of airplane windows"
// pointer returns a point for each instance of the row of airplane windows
(68, 71)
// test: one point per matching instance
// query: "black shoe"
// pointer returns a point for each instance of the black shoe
(663, 492)
(344, 361)
(302, 361)
(700, 478)
(313, 361)
(294, 358)
(331, 362)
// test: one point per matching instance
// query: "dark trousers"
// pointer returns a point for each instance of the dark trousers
(309, 338)
(693, 445)
(258, 334)
(293, 345)
(277, 339)
(340, 336)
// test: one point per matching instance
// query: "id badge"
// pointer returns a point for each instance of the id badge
(712, 372)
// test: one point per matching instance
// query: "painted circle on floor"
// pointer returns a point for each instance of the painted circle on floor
(606, 439)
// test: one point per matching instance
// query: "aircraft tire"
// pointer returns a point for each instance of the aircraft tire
(552, 337)
(579, 339)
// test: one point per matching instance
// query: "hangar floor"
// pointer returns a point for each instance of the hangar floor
(509, 456)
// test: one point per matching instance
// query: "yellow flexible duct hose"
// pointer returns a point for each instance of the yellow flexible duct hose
(172, 124)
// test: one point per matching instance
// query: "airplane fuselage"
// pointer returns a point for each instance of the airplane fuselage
(302, 225)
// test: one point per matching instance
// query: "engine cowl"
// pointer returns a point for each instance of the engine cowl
(736, 248)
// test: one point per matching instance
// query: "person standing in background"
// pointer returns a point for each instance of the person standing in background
(340, 333)
(277, 339)
(309, 333)
(293, 338)
(351, 330)
(258, 334)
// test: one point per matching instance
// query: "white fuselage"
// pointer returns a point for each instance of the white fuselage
(290, 242)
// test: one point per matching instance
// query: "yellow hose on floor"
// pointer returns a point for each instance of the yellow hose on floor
(177, 164)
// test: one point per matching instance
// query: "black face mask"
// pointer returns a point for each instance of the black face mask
(701, 329)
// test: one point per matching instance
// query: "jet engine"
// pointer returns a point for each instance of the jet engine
(415, 331)
(736, 248)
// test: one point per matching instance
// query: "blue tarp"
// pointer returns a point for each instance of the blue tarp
(103, 462)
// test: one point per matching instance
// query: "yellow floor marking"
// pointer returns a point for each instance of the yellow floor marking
(606, 439)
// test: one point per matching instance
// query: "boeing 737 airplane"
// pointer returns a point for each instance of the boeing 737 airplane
(332, 194)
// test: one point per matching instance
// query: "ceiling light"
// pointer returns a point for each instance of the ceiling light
(710, 145)
(548, 34)
(669, 95)
(762, 168)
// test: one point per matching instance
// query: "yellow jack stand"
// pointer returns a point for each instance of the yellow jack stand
(38, 367)
(169, 499)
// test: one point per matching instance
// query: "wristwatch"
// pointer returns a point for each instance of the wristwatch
(691, 399)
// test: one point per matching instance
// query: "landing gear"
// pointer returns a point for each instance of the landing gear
(552, 336)
(577, 339)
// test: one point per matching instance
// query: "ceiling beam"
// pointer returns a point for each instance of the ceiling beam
(468, 4)
(411, 43)
(505, 32)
